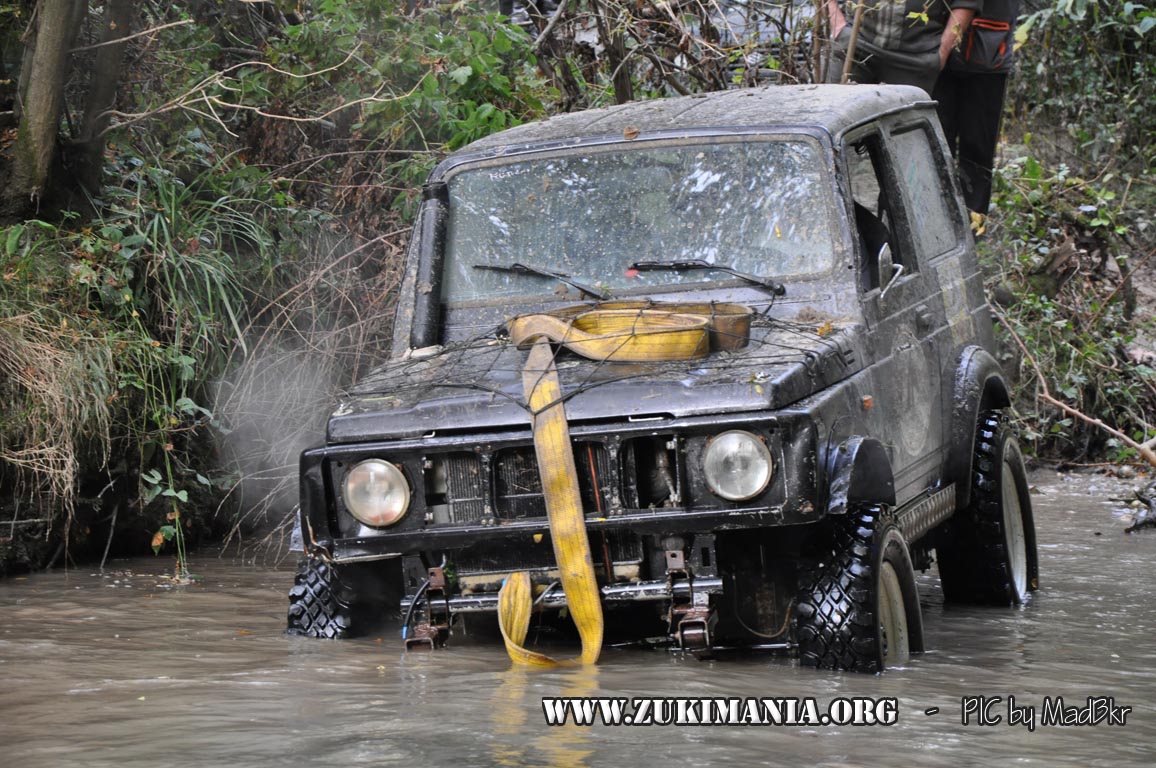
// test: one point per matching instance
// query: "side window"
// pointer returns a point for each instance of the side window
(934, 229)
(874, 207)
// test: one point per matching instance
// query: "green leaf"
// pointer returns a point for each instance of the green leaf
(461, 74)
(14, 233)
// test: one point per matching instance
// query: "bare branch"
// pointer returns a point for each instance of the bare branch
(142, 33)
(198, 94)
(550, 26)
(1123, 282)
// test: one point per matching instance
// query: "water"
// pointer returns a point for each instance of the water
(123, 670)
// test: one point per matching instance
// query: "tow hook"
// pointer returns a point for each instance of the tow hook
(690, 619)
(431, 632)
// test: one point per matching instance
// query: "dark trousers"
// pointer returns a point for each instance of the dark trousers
(970, 107)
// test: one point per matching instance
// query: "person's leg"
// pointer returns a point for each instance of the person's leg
(946, 93)
(978, 128)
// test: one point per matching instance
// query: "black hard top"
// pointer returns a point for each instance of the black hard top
(833, 108)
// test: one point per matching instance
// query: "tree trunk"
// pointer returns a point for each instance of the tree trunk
(614, 45)
(35, 148)
(89, 158)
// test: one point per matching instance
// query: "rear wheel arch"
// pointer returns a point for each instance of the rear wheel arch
(979, 387)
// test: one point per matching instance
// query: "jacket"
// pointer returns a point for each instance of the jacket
(899, 26)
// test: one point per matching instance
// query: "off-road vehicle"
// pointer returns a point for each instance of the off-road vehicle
(838, 423)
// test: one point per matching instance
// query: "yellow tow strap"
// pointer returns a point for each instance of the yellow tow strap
(624, 332)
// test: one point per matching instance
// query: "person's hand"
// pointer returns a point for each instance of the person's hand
(953, 33)
(944, 55)
(838, 20)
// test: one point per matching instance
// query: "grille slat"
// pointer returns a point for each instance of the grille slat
(465, 488)
(518, 485)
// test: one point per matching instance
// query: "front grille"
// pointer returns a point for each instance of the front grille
(503, 484)
(517, 484)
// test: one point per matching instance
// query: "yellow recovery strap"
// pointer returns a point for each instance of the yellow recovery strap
(622, 331)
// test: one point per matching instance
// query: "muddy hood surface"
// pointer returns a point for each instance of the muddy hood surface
(478, 386)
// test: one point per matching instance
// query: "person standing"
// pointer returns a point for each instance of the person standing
(970, 92)
(905, 42)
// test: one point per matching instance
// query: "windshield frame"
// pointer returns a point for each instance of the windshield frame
(818, 139)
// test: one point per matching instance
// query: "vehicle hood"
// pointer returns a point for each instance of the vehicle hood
(477, 386)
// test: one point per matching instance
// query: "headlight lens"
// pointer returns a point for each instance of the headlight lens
(737, 465)
(376, 493)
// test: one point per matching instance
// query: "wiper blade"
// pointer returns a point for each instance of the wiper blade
(777, 288)
(526, 269)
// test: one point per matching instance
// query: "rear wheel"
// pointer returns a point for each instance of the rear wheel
(858, 609)
(987, 554)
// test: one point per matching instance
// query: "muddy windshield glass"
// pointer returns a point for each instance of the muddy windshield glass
(759, 207)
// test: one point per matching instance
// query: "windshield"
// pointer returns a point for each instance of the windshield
(757, 206)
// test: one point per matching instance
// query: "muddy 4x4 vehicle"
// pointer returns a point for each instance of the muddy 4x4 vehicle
(775, 484)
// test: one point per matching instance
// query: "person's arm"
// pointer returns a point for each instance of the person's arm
(836, 17)
(953, 33)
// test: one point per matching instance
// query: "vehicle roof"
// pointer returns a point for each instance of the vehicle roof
(834, 108)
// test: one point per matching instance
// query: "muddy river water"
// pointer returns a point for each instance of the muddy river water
(120, 669)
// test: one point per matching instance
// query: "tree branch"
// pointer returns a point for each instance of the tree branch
(142, 33)
(550, 25)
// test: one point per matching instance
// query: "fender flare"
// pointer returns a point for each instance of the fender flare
(859, 469)
(979, 386)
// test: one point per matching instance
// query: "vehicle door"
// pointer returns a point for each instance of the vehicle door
(886, 170)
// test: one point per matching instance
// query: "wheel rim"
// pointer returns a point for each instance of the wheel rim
(1013, 525)
(893, 636)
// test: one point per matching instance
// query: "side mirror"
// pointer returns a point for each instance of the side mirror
(889, 271)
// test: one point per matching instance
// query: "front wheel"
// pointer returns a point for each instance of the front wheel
(319, 601)
(859, 608)
(987, 554)
(338, 601)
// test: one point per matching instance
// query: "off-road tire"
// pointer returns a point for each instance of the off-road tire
(976, 561)
(320, 602)
(837, 612)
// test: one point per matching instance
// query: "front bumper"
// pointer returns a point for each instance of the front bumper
(612, 595)
(657, 522)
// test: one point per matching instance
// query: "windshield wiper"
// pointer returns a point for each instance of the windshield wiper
(778, 289)
(525, 269)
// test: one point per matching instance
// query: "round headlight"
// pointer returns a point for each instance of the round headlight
(737, 465)
(376, 493)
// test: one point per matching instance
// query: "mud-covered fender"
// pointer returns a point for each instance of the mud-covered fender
(297, 537)
(312, 515)
(979, 386)
(858, 470)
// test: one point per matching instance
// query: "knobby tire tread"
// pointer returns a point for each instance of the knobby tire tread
(319, 602)
(973, 559)
(835, 616)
